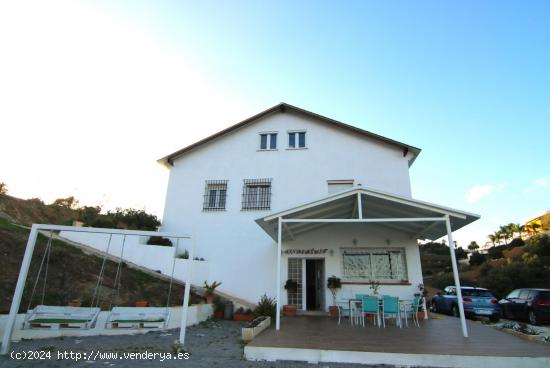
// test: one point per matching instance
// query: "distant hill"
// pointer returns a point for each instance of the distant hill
(29, 211)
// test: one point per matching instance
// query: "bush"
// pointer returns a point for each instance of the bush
(516, 242)
(477, 258)
(88, 214)
(266, 307)
(442, 281)
(496, 252)
(159, 240)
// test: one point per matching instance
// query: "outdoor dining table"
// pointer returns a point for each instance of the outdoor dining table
(403, 303)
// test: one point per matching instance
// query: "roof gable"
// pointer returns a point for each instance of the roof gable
(282, 108)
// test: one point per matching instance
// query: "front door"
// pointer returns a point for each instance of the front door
(315, 287)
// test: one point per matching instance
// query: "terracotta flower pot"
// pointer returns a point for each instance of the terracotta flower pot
(289, 310)
(333, 311)
(75, 303)
(210, 298)
(142, 303)
(218, 314)
(420, 315)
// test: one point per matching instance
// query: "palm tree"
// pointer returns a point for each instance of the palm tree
(505, 233)
(521, 230)
(493, 238)
(513, 228)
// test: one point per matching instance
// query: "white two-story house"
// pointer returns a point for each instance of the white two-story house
(290, 194)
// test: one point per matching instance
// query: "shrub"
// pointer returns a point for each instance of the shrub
(69, 202)
(496, 252)
(477, 258)
(184, 255)
(442, 281)
(266, 307)
(3, 188)
(88, 214)
(159, 240)
(516, 242)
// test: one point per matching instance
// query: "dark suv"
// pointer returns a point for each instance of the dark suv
(530, 304)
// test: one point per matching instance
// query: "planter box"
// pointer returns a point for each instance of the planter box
(248, 333)
(289, 310)
(243, 317)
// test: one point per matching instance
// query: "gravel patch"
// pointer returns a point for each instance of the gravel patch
(210, 344)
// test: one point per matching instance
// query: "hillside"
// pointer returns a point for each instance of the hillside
(72, 274)
(504, 268)
(29, 211)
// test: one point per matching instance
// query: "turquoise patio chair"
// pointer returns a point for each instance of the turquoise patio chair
(390, 307)
(412, 309)
(370, 307)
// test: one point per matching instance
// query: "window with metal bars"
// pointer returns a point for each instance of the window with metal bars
(256, 194)
(215, 193)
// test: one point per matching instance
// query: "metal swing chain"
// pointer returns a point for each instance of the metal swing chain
(97, 290)
(118, 276)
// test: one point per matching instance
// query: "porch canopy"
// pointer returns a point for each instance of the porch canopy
(417, 219)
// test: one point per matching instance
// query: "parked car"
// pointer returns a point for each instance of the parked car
(527, 304)
(476, 301)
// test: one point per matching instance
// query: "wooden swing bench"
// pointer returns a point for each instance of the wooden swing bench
(138, 317)
(55, 317)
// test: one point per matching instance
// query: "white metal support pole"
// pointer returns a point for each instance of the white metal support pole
(18, 294)
(457, 279)
(278, 286)
(183, 323)
(359, 206)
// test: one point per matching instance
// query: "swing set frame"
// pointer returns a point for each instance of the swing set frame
(27, 258)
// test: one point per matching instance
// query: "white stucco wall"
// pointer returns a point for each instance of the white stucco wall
(337, 236)
(239, 253)
(153, 257)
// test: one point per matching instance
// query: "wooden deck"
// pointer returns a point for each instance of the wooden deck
(436, 337)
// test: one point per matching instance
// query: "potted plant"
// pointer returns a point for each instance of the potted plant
(291, 286)
(422, 294)
(333, 284)
(374, 286)
(209, 290)
(142, 303)
(219, 308)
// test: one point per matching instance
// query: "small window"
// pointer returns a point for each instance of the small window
(297, 140)
(256, 194)
(524, 294)
(335, 186)
(268, 141)
(215, 194)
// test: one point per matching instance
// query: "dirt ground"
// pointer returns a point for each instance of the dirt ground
(210, 344)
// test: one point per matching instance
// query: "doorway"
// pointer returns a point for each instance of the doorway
(315, 286)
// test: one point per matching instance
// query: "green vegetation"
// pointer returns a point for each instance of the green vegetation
(3, 188)
(266, 307)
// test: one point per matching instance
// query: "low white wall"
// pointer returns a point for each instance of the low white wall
(195, 314)
(153, 257)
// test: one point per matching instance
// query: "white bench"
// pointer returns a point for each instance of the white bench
(138, 317)
(55, 317)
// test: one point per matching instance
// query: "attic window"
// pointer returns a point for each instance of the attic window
(296, 140)
(268, 141)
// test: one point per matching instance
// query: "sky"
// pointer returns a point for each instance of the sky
(92, 93)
